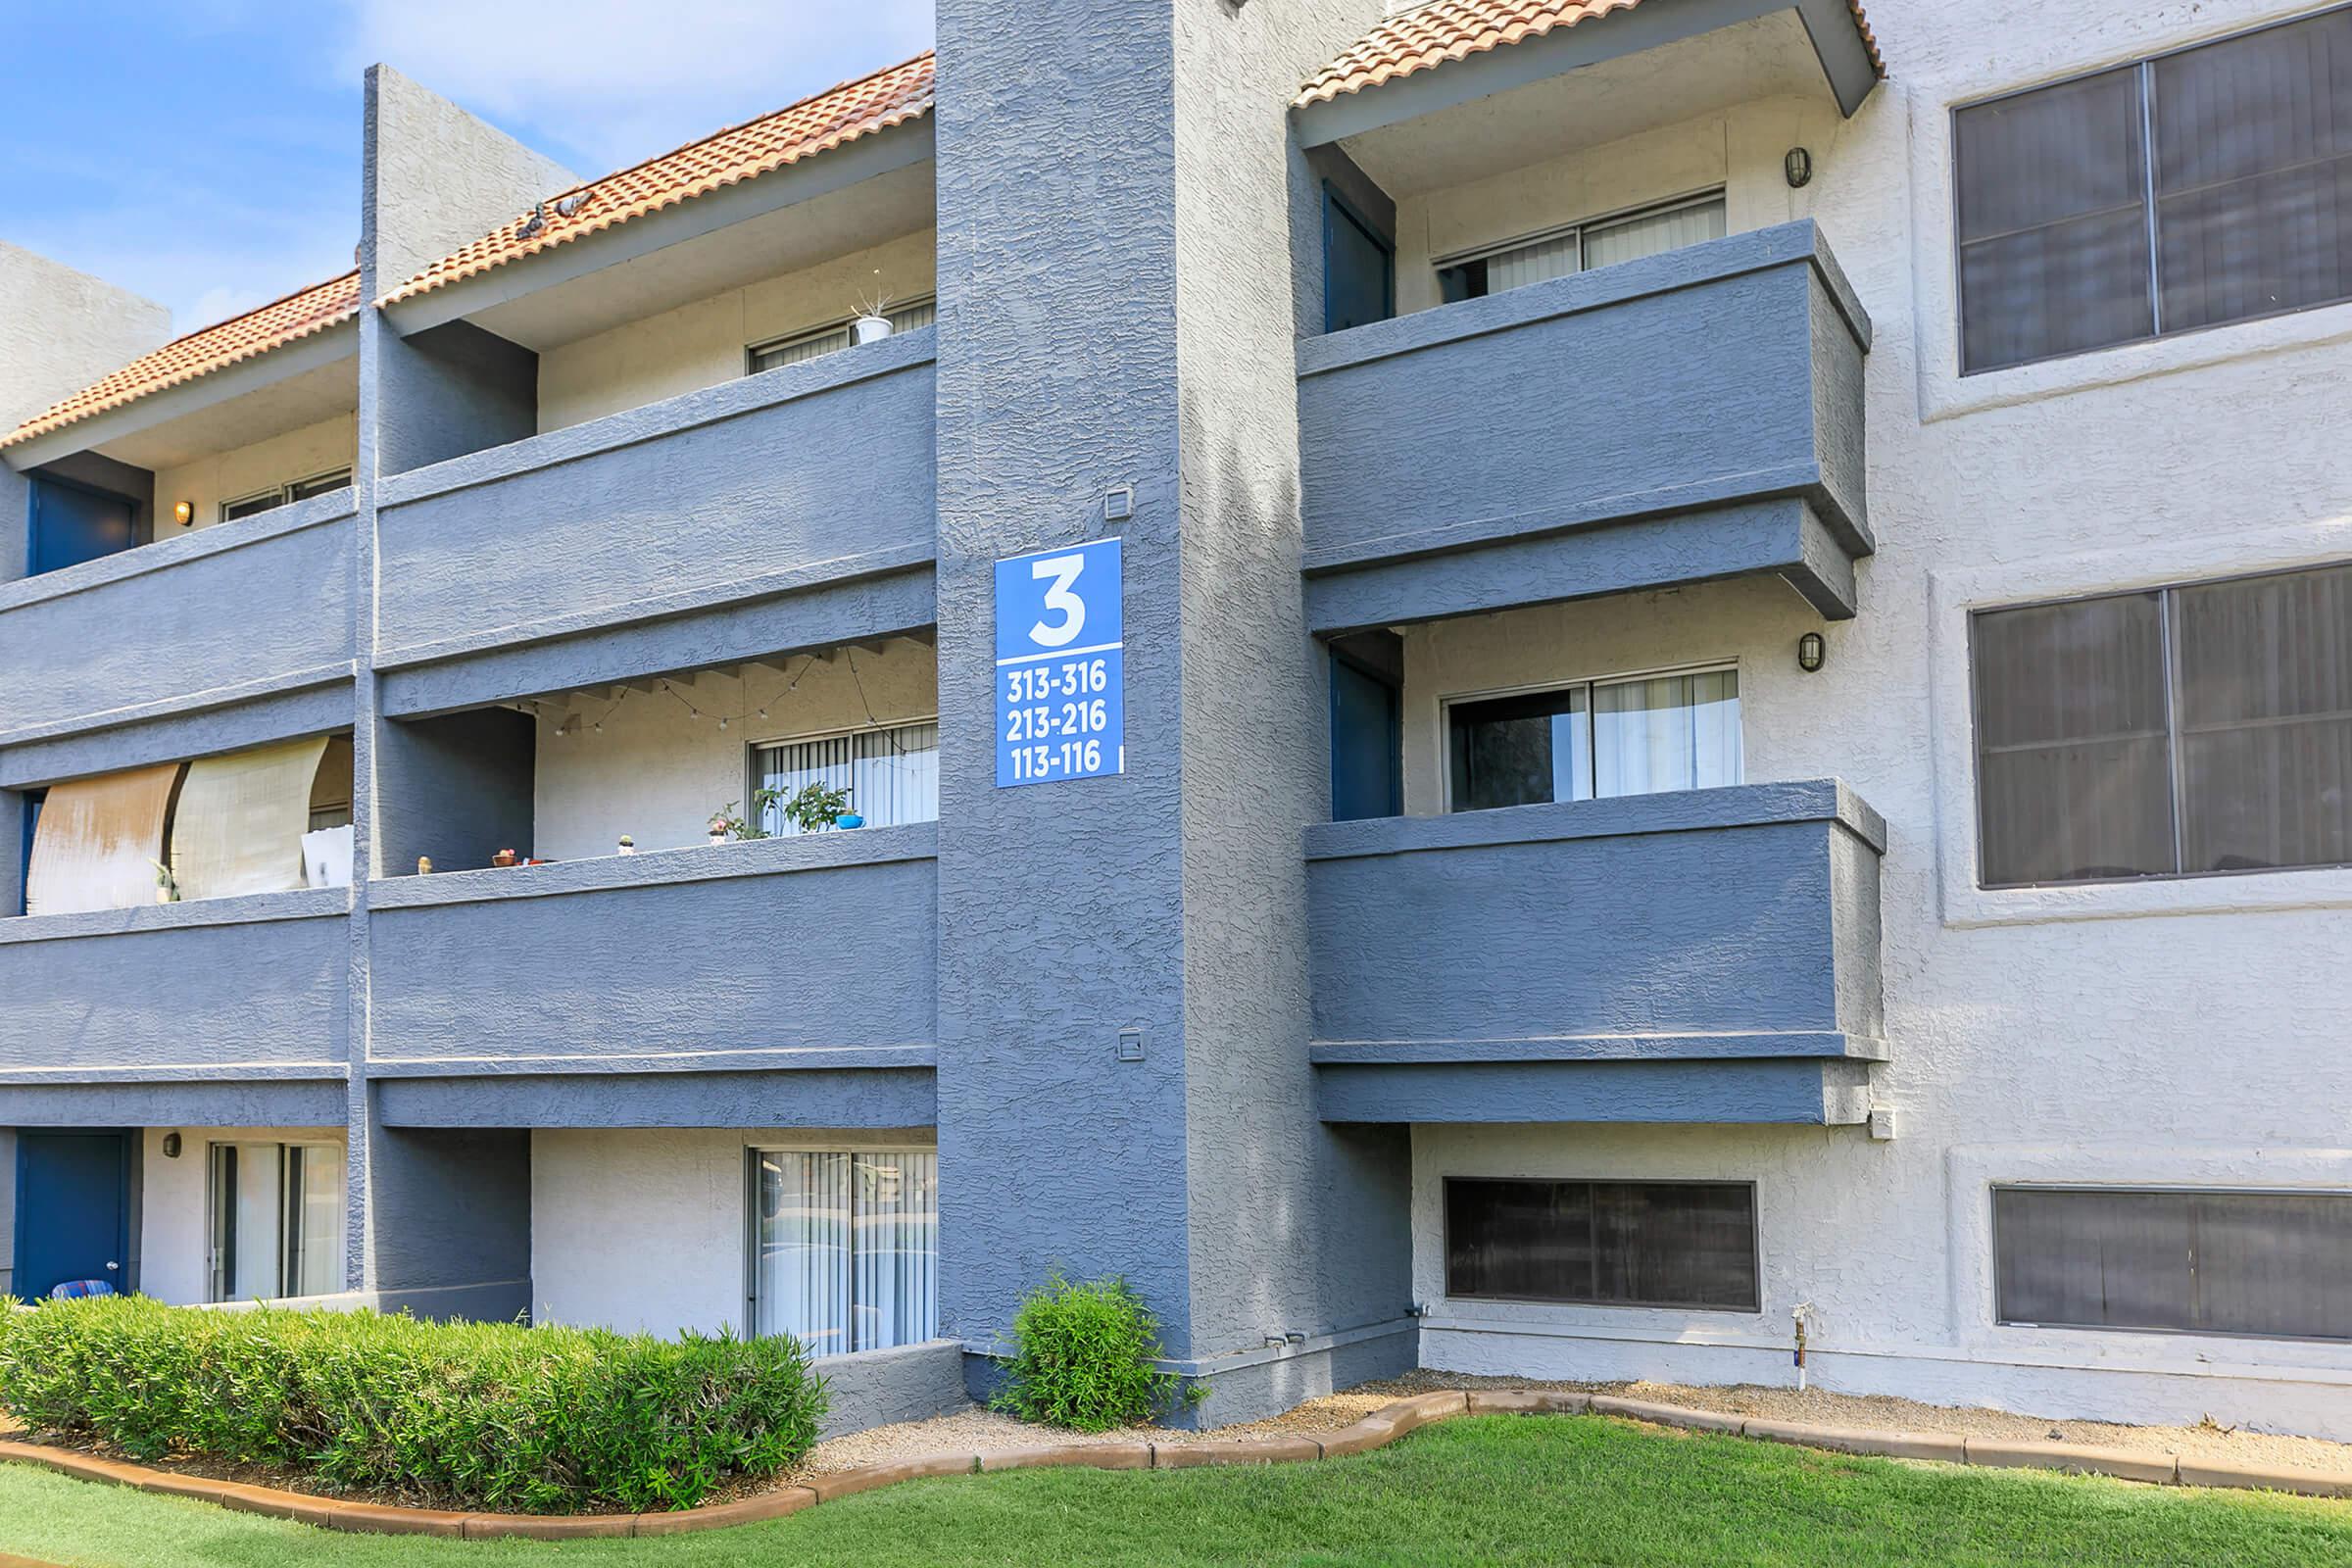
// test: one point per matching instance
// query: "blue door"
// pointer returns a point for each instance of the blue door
(72, 1209)
(1367, 743)
(71, 526)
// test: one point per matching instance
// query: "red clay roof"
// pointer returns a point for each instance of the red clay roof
(1431, 34)
(801, 130)
(299, 315)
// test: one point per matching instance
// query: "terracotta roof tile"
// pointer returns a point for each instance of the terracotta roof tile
(298, 315)
(1428, 36)
(801, 130)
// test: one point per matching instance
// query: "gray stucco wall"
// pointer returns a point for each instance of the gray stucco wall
(876, 1387)
(244, 609)
(457, 788)
(446, 1207)
(450, 391)
(1725, 374)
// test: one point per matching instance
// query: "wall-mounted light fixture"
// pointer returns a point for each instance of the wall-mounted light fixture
(1810, 651)
(183, 513)
(1797, 164)
(171, 1146)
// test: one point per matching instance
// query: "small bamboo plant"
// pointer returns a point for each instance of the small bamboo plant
(166, 886)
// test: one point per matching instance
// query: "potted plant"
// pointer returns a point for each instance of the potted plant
(871, 323)
(814, 807)
(726, 826)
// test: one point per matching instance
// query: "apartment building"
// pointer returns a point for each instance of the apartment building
(1590, 689)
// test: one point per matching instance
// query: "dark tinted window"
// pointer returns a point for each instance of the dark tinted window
(2265, 1263)
(2243, 148)
(1609, 1243)
(2180, 730)
(1517, 751)
(1359, 268)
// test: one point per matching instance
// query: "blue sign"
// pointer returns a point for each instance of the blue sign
(1062, 672)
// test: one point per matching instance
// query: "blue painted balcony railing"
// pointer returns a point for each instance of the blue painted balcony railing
(798, 974)
(223, 1010)
(1688, 415)
(255, 612)
(1710, 955)
(790, 509)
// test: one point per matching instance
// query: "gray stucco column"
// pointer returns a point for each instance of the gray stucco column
(1117, 201)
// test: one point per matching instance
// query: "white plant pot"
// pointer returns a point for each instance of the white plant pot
(870, 328)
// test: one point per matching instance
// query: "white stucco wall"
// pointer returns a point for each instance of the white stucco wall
(2182, 1032)
(175, 1230)
(657, 771)
(241, 471)
(703, 343)
(644, 1231)
(60, 331)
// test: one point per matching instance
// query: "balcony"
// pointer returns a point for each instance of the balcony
(789, 982)
(1709, 955)
(1690, 415)
(227, 1011)
(251, 609)
(785, 509)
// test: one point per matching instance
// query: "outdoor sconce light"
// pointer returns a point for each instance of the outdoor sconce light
(1809, 652)
(171, 1146)
(1798, 167)
(183, 513)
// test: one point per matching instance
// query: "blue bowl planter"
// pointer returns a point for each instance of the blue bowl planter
(849, 819)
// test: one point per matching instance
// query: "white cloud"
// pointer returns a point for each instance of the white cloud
(604, 83)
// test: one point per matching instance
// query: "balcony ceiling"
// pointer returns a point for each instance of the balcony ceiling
(1591, 105)
(200, 426)
(524, 305)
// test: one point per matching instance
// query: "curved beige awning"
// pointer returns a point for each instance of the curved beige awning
(241, 821)
(99, 840)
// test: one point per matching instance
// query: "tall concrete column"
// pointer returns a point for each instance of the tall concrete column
(1119, 208)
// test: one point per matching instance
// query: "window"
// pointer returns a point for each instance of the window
(317, 484)
(832, 339)
(1597, 242)
(2209, 185)
(892, 774)
(277, 1221)
(1597, 739)
(1603, 1244)
(1359, 268)
(846, 1248)
(2274, 1264)
(2171, 732)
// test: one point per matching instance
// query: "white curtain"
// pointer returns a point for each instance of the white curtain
(1648, 233)
(1533, 264)
(848, 1248)
(892, 774)
(897, 1198)
(1669, 732)
(254, 1201)
(315, 1205)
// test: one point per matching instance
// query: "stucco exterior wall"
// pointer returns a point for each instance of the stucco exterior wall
(241, 471)
(2163, 1032)
(703, 343)
(175, 1227)
(63, 330)
(644, 1231)
(657, 771)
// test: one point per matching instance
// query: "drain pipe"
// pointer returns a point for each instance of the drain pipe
(1799, 1313)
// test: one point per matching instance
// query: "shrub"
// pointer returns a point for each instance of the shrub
(1082, 1359)
(492, 1415)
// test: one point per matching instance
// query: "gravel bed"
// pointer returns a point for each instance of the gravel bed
(979, 1430)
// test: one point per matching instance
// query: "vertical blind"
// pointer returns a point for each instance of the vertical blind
(1585, 247)
(892, 774)
(846, 1250)
(2199, 728)
(277, 1221)
(2209, 185)
(2277, 1264)
(832, 340)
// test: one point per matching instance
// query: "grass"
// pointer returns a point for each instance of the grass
(1496, 1490)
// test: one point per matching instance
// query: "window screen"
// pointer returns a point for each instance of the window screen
(2277, 1264)
(2209, 185)
(833, 340)
(1605, 1244)
(2184, 730)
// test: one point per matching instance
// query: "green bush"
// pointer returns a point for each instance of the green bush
(1083, 1357)
(486, 1415)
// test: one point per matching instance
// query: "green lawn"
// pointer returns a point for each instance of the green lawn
(1504, 1489)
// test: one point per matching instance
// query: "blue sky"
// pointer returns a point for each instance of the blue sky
(205, 153)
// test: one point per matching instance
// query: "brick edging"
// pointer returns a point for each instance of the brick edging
(1375, 1431)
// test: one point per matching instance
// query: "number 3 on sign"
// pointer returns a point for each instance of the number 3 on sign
(1060, 665)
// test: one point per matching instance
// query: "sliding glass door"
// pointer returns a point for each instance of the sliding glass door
(846, 1248)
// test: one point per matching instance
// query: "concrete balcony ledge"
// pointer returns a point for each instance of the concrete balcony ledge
(220, 617)
(1706, 955)
(784, 509)
(710, 862)
(1691, 416)
(257, 909)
